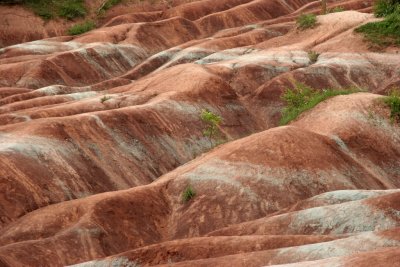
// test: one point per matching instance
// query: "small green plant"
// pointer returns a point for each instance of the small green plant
(302, 98)
(105, 98)
(336, 9)
(313, 56)
(81, 28)
(212, 122)
(188, 194)
(384, 8)
(393, 101)
(306, 21)
(383, 33)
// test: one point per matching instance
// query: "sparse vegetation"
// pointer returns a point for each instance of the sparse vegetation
(323, 3)
(10, 2)
(212, 122)
(48, 9)
(306, 21)
(81, 28)
(336, 9)
(302, 98)
(107, 5)
(383, 33)
(384, 8)
(188, 194)
(393, 101)
(105, 98)
(313, 56)
(72, 9)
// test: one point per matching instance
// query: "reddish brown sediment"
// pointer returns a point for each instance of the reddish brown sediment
(101, 133)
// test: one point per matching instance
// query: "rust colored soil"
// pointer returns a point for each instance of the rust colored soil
(100, 136)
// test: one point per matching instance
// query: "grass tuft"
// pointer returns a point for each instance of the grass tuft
(104, 99)
(188, 194)
(81, 28)
(393, 101)
(306, 21)
(302, 98)
(313, 56)
(383, 33)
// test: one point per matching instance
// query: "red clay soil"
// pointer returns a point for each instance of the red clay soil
(237, 184)
(19, 24)
(100, 134)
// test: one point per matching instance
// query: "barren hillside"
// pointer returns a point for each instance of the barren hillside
(105, 161)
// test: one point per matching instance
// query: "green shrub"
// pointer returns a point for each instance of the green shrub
(383, 8)
(81, 28)
(313, 56)
(188, 194)
(72, 9)
(48, 9)
(302, 98)
(212, 122)
(306, 21)
(393, 101)
(40, 8)
(383, 33)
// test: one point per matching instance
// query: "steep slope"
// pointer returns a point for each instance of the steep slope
(153, 106)
(241, 181)
(101, 133)
(20, 24)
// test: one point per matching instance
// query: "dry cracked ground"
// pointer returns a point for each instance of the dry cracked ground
(100, 134)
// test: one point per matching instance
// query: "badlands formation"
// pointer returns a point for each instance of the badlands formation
(100, 134)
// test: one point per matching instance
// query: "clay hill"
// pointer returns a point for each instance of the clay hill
(100, 135)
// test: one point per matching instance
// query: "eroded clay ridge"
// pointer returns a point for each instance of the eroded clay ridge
(100, 134)
(314, 190)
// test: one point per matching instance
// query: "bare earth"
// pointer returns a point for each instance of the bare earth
(100, 134)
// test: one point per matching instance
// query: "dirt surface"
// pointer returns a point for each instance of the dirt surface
(100, 134)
